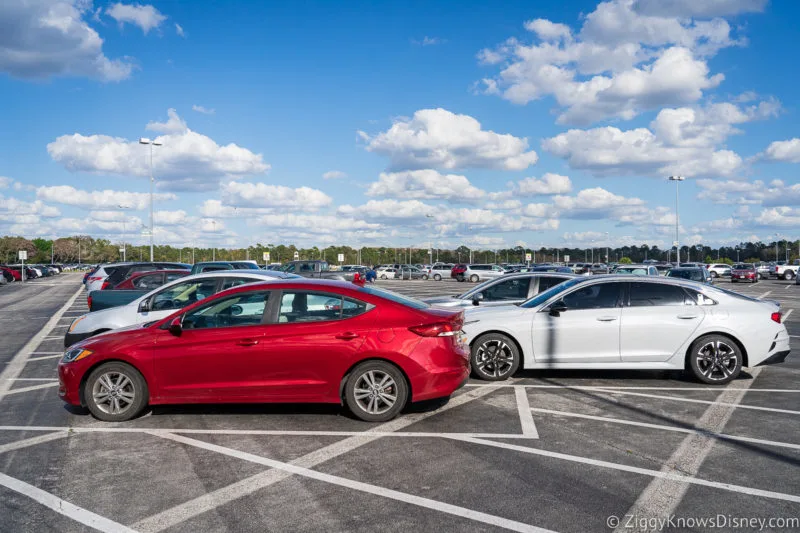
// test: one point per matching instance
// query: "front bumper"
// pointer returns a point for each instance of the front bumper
(72, 338)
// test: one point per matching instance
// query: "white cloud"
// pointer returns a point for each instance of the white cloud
(787, 151)
(680, 141)
(783, 217)
(172, 218)
(776, 193)
(145, 16)
(203, 110)
(388, 209)
(425, 184)
(320, 224)
(334, 175)
(621, 62)
(14, 207)
(548, 184)
(41, 39)
(174, 124)
(179, 30)
(5, 182)
(187, 160)
(428, 41)
(261, 195)
(68, 195)
(437, 138)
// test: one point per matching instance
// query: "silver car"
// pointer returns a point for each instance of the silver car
(510, 289)
(637, 270)
(476, 273)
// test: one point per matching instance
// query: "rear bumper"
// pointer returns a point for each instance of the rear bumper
(778, 351)
(776, 358)
(441, 384)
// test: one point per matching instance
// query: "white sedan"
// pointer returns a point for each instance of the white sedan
(628, 322)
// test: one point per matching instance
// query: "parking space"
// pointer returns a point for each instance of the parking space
(546, 451)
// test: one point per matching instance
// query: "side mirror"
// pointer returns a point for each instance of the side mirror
(477, 298)
(557, 308)
(175, 326)
(144, 306)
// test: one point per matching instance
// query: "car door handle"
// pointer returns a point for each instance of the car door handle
(687, 317)
(347, 336)
(606, 318)
(246, 342)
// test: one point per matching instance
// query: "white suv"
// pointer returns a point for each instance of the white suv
(719, 269)
(476, 273)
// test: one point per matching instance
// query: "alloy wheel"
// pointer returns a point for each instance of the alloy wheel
(375, 392)
(495, 358)
(114, 393)
(717, 360)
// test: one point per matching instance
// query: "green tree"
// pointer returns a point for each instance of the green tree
(625, 260)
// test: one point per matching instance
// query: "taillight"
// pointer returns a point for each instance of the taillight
(440, 329)
(105, 285)
(89, 302)
(776, 317)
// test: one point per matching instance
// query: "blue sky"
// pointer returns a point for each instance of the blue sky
(539, 123)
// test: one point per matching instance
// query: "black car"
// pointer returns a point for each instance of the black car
(120, 273)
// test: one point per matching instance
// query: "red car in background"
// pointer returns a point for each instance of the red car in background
(149, 280)
(744, 272)
(293, 341)
(15, 274)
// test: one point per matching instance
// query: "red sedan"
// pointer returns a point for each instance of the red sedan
(744, 272)
(295, 341)
(151, 279)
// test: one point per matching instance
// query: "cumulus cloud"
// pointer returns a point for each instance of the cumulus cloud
(40, 39)
(774, 193)
(145, 16)
(203, 110)
(334, 175)
(786, 151)
(437, 138)
(388, 209)
(187, 160)
(261, 195)
(626, 58)
(425, 184)
(779, 217)
(5, 182)
(15, 207)
(319, 223)
(679, 141)
(68, 195)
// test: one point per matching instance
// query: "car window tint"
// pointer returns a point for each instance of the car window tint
(242, 309)
(148, 282)
(595, 296)
(546, 282)
(180, 295)
(303, 306)
(227, 283)
(510, 289)
(172, 276)
(656, 294)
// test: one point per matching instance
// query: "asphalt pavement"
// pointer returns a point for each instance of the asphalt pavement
(547, 451)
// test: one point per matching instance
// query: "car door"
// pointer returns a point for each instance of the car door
(506, 291)
(312, 339)
(219, 354)
(177, 296)
(657, 320)
(586, 332)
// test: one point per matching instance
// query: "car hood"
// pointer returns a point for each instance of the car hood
(476, 313)
(111, 340)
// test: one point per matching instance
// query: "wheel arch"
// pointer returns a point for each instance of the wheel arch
(82, 386)
(507, 334)
(349, 371)
(739, 344)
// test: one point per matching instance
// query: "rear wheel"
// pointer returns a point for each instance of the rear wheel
(383, 276)
(437, 277)
(425, 276)
(789, 275)
(715, 359)
(494, 357)
(474, 278)
(714, 274)
(115, 392)
(376, 391)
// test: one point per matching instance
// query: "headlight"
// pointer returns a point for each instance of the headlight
(75, 354)
(75, 323)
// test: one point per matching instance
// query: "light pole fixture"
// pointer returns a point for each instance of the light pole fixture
(677, 180)
(124, 247)
(153, 142)
(776, 249)
(214, 246)
(430, 241)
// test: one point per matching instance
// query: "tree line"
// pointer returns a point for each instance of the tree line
(86, 249)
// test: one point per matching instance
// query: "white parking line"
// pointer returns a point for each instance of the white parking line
(787, 287)
(28, 389)
(788, 314)
(360, 486)
(39, 439)
(721, 436)
(33, 379)
(79, 514)
(635, 469)
(54, 356)
(525, 416)
(692, 400)
(15, 366)
(604, 387)
(765, 294)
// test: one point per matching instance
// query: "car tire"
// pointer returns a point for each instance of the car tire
(425, 277)
(437, 277)
(474, 278)
(367, 398)
(120, 384)
(715, 359)
(383, 276)
(789, 276)
(494, 357)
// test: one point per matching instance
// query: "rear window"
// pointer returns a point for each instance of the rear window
(694, 274)
(396, 298)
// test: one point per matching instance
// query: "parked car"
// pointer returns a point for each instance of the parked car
(637, 270)
(719, 269)
(744, 272)
(549, 268)
(338, 353)
(695, 273)
(386, 272)
(315, 269)
(149, 280)
(11, 274)
(506, 290)
(440, 271)
(137, 306)
(411, 272)
(763, 269)
(628, 322)
(599, 268)
(783, 270)
(211, 266)
(477, 272)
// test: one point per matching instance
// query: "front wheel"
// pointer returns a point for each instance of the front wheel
(383, 276)
(115, 392)
(376, 391)
(789, 275)
(437, 277)
(474, 278)
(494, 357)
(715, 359)
(425, 276)
(714, 274)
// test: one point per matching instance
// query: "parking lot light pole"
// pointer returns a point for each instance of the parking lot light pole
(776, 249)
(145, 140)
(677, 180)
(124, 247)
(607, 258)
(213, 246)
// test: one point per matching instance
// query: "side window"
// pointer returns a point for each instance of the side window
(547, 282)
(148, 282)
(301, 306)
(495, 268)
(656, 294)
(510, 289)
(180, 295)
(172, 276)
(242, 309)
(290, 268)
(227, 283)
(596, 296)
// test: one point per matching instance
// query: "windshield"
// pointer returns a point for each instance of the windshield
(396, 298)
(693, 274)
(476, 289)
(540, 298)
